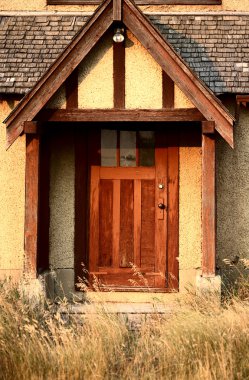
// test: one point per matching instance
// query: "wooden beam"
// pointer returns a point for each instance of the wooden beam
(242, 98)
(31, 127)
(208, 127)
(168, 91)
(119, 74)
(139, 2)
(72, 90)
(44, 210)
(31, 204)
(176, 68)
(81, 202)
(80, 115)
(117, 10)
(208, 205)
(51, 81)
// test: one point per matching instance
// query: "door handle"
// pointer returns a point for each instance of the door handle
(161, 206)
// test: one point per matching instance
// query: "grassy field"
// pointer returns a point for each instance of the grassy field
(203, 340)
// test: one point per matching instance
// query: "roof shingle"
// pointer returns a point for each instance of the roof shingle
(216, 47)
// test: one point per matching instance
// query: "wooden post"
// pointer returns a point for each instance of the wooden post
(208, 200)
(31, 203)
(117, 10)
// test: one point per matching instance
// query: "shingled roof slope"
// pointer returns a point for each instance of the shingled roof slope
(29, 45)
(216, 47)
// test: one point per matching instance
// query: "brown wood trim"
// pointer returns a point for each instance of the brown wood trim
(81, 180)
(31, 204)
(242, 98)
(72, 90)
(119, 74)
(168, 91)
(208, 127)
(80, 115)
(161, 196)
(139, 2)
(51, 81)
(177, 69)
(173, 211)
(31, 127)
(141, 172)
(208, 205)
(117, 10)
(44, 210)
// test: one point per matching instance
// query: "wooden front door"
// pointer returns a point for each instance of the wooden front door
(133, 236)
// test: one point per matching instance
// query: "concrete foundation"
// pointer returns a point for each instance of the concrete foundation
(208, 286)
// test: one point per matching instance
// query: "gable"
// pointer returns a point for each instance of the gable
(143, 79)
(163, 54)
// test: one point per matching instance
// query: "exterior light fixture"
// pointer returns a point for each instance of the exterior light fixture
(118, 36)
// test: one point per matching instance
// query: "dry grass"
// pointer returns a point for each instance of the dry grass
(202, 341)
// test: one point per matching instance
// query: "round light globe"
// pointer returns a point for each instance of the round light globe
(118, 36)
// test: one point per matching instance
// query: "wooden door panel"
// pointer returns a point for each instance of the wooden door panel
(148, 224)
(127, 173)
(105, 223)
(128, 280)
(126, 244)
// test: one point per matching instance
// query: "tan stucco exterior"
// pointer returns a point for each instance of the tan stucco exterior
(61, 203)
(58, 101)
(12, 193)
(232, 173)
(40, 5)
(96, 77)
(143, 77)
(181, 100)
(190, 208)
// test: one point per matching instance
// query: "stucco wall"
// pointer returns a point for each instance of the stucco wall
(181, 100)
(233, 195)
(190, 208)
(12, 193)
(143, 76)
(58, 100)
(61, 203)
(96, 76)
(227, 5)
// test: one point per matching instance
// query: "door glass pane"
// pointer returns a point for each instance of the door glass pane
(127, 148)
(146, 148)
(108, 147)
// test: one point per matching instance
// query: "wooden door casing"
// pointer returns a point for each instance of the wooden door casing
(129, 236)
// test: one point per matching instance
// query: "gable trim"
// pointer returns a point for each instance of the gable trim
(205, 101)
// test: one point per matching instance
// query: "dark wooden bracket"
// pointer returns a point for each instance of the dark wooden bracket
(31, 127)
(240, 99)
(208, 127)
(117, 10)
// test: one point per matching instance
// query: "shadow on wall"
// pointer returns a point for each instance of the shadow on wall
(232, 199)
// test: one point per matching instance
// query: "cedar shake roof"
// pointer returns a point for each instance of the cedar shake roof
(216, 47)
